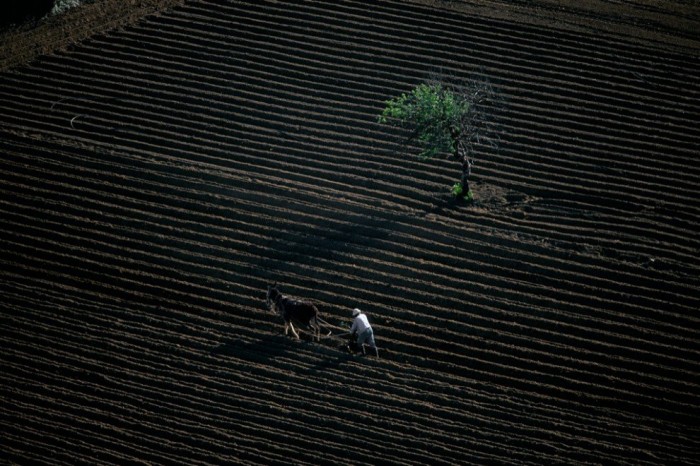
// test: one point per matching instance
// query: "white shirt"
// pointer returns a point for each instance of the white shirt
(360, 324)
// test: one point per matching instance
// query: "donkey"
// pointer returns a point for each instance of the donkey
(301, 312)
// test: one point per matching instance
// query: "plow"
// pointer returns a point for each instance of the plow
(306, 315)
(345, 338)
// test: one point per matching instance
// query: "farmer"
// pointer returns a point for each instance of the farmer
(361, 327)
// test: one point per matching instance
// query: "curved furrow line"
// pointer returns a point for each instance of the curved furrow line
(30, 439)
(297, 157)
(39, 303)
(161, 404)
(630, 203)
(430, 385)
(373, 191)
(517, 34)
(243, 120)
(248, 425)
(127, 247)
(157, 344)
(474, 325)
(137, 246)
(636, 278)
(617, 116)
(430, 388)
(84, 424)
(630, 198)
(549, 380)
(546, 214)
(175, 52)
(283, 27)
(25, 445)
(327, 432)
(619, 158)
(305, 46)
(195, 184)
(145, 266)
(110, 127)
(221, 85)
(320, 253)
(597, 117)
(174, 55)
(447, 334)
(83, 179)
(324, 173)
(225, 252)
(77, 425)
(534, 165)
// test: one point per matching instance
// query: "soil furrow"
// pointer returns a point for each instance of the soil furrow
(158, 178)
(273, 216)
(542, 379)
(228, 252)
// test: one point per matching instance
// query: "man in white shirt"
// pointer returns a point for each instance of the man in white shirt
(365, 334)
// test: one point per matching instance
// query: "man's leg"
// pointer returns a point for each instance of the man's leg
(370, 341)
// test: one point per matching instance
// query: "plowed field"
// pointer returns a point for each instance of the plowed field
(156, 177)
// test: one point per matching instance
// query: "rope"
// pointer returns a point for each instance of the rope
(331, 325)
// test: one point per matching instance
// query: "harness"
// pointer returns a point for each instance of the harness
(281, 302)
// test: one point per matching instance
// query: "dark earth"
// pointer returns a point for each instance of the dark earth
(163, 162)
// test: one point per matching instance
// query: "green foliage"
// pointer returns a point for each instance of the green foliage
(452, 116)
(433, 113)
(458, 191)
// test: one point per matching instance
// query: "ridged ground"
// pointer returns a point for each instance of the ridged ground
(157, 177)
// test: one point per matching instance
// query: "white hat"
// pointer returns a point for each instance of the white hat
(355, 312)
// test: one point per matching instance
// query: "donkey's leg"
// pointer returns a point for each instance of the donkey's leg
(294, 331)
(315, 331)
(316, 327)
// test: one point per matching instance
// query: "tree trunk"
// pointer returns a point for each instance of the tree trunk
(466, 171)
(462, 155)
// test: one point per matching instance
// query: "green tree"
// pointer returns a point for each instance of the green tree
(444, 117)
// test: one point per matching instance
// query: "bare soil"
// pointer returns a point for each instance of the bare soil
(164, 161)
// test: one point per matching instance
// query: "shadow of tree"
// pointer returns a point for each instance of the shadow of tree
(20, 11)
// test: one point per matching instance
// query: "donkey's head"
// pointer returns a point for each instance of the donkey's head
(272, 294)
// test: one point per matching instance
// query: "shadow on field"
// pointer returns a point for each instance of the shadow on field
(332, 363)
(20, 11)
(260, 350)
